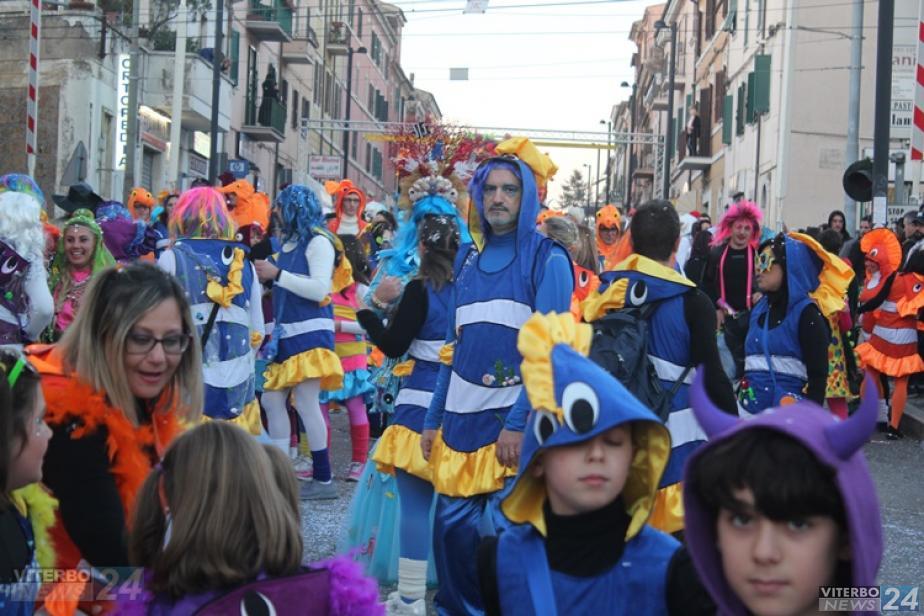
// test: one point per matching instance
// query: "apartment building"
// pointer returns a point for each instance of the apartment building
(770, 81)
(283, 63)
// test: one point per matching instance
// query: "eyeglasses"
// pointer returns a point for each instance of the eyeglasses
(141, 344)
(765, 260)
(14, 364)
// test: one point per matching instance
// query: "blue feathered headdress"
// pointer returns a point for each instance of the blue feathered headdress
(402, 259)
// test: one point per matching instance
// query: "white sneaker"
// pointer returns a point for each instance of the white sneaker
(395, 606)
(304, 468)
(356, 471)
(883, 415)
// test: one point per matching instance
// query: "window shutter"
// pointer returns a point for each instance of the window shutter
(727, 107)
(751, 116)
(739, 110)
(235, 54)
(762, 83)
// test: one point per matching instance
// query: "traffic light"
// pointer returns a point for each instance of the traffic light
(858, 180)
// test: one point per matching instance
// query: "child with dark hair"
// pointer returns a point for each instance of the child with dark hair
(352, 349)
(24, 439)
(780, 505)
(786, 349)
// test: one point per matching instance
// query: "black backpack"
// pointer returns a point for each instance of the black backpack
(620, 346)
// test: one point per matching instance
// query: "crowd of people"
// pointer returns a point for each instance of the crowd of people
(546, 412)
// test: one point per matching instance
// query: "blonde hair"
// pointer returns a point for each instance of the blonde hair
(94, 345)
(585, 251)
(230, 518)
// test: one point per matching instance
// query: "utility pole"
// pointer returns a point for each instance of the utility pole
(217, 59)
(176, 109)
(597, 183)
(852, 153)
(131, 116)
(782, 150)
(609, 130)
(586, 166)
(883, 110)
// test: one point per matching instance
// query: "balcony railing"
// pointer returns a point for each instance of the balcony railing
(270, 23)
(265, 122)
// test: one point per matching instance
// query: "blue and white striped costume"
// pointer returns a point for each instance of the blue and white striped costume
(228, 357)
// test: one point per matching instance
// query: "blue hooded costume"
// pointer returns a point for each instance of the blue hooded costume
(575, 401)
(497, 288)
(773, 367)
(639, 281)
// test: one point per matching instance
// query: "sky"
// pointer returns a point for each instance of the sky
(538, 67)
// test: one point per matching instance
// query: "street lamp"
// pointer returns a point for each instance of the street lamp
(586, 166)
(669, 141)
(349, 107)
(630, 159)
(609, 129)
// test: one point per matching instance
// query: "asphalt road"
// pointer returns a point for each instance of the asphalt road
(897, 466)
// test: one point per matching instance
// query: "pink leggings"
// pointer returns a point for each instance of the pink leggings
(359, 427)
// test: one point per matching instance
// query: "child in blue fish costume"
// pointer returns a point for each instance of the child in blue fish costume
(592, 458)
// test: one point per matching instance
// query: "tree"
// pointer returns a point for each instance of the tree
(574, 192)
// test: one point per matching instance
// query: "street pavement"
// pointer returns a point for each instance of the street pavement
(897, 466)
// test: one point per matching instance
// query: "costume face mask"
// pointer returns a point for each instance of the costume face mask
(12, 265)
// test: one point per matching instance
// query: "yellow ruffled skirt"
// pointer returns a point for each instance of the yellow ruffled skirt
(461, 475)
(399, 447)
(317, 363)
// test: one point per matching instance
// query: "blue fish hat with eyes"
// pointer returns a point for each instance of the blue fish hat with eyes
(574, 400)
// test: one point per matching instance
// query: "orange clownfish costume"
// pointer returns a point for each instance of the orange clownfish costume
(892, 348)
(339, 191)
(140, 197)
(544, 215)
(585, 282)
(249, 207)
(608, 218)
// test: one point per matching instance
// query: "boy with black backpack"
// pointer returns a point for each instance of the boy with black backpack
(652, 326)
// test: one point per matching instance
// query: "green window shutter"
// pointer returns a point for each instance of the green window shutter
(750, 115)
(235, 54)
(739, 111)
(762, 83)
(727, 109)
(747, 21)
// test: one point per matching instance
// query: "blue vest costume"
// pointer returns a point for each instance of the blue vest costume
(490, 310)
(416, 390)
(635, 585)
(301, 325)
(668, 350)
(773, 363)
(228, 358)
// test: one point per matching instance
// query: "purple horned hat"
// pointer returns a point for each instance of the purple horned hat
(835, 443)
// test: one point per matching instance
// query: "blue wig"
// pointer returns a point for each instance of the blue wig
(300, 211)
(402, 259)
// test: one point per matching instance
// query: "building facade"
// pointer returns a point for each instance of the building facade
(282, 64)
(769, 81)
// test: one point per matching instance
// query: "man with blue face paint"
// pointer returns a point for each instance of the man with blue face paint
(474, 425)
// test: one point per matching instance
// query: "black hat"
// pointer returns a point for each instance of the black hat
(79, 195)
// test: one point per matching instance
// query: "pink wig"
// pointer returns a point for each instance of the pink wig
(743, 210)
(202, 213)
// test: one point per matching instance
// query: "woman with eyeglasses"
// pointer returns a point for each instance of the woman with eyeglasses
(786, 348)
(117, 387)
(24, 505)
